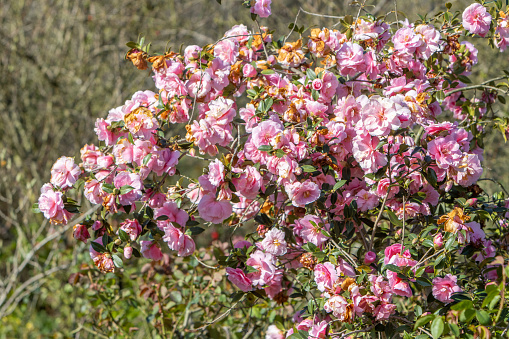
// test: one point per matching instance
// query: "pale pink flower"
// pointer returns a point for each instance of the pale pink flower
(319, 330)
(213, 210)
(325, 276)
(128, 252)
(365, 153)
(151, 250)
(174, 214)
(476, 19)
(132, 227)
(384, 311)
(128, 179)
(103, 133)
(443, 288)
(199, 84)
(350, 59)
(248, 183)
(397, 285)
(52, 205)
(406, 41)
(339, 307)
(239, 279)
(309, 228)
(438, 241)
(178, 241)
(164, 161)
(303, 193)
(64, 172)
(227, 50)
(366, 200)
(264, 263)
(274, 242)
(273, 332)
(446, 151)
(262, 8)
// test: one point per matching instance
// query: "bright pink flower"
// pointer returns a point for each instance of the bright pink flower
(274, 242)
(369, 257)
(132, 227)
(325, 276)
(64, 173)
(446, 151)
(80, 232)
(262, 8)
(438, 241)
(164, 161)
(394, 256)
(317, 84)
(151, 250)
(366, 200)
(103, 133)
(476, 19)
(239, 279)
(249, 71)
(213, 210)
(443, 288)
(303, 193)
(384, 311)
(397, 285)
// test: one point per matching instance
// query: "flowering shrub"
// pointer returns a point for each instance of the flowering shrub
(349, 159)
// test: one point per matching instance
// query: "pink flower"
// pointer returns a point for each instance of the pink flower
(446, 151)
(80, 232)
(443, 288)
(103, 261)
(239, 279)
(406, 41)
(274, 242)
(350, 59)
(151, 250)
(369, 257)
(174, 214)
(476, 19)
(64, 172)
(132, 227)
(319, 330)
(325, 276)
(394, 256)
(397, 285)
(339, 307)
(52, 205)
(309, 228)
(128, 179)
(213, 210)
(262, 8)
(274, 333)
(364, 152)
(128, 252)
(227, 50)
(302, 194)
(248, 183)
(438, 241)
(317, 84)
(264, 263)
(384, 311)
(164, 161)
(178, 241)
(366, 200)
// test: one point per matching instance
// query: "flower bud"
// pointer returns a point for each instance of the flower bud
(317, 84)
(429, 269)
(438, 241)
(369, 257)
(128, 251)
(471, 202)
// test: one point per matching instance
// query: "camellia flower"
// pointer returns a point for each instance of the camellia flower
(151, 250)
(303, 193)
(476, 19)
(274, 242)
(325, 276)
(262, 8)
(239, 279)
(212, 210)
(64, 172)
(52, 205)
(443, 288)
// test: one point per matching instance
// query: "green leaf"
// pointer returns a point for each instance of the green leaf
(483, 317)
(308, 168)
(280, 153)
(117, 260)
(315, 95)
(423, 281)
(394, 218)
(437, 327)
(123, 235)
(268, 71)
(338, 185)
(311, 75)
(146, 159)
(35, 208)
(423, 321)
(467, 315)
(196, 230)
(462, 305)
(108, 188)
(393, 268)
(126, 189)
(265, 148)
(130, 138)
(98, 247)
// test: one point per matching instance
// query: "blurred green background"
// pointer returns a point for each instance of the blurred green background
(62, 66)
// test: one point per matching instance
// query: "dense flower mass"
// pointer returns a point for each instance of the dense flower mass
(351, 161)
